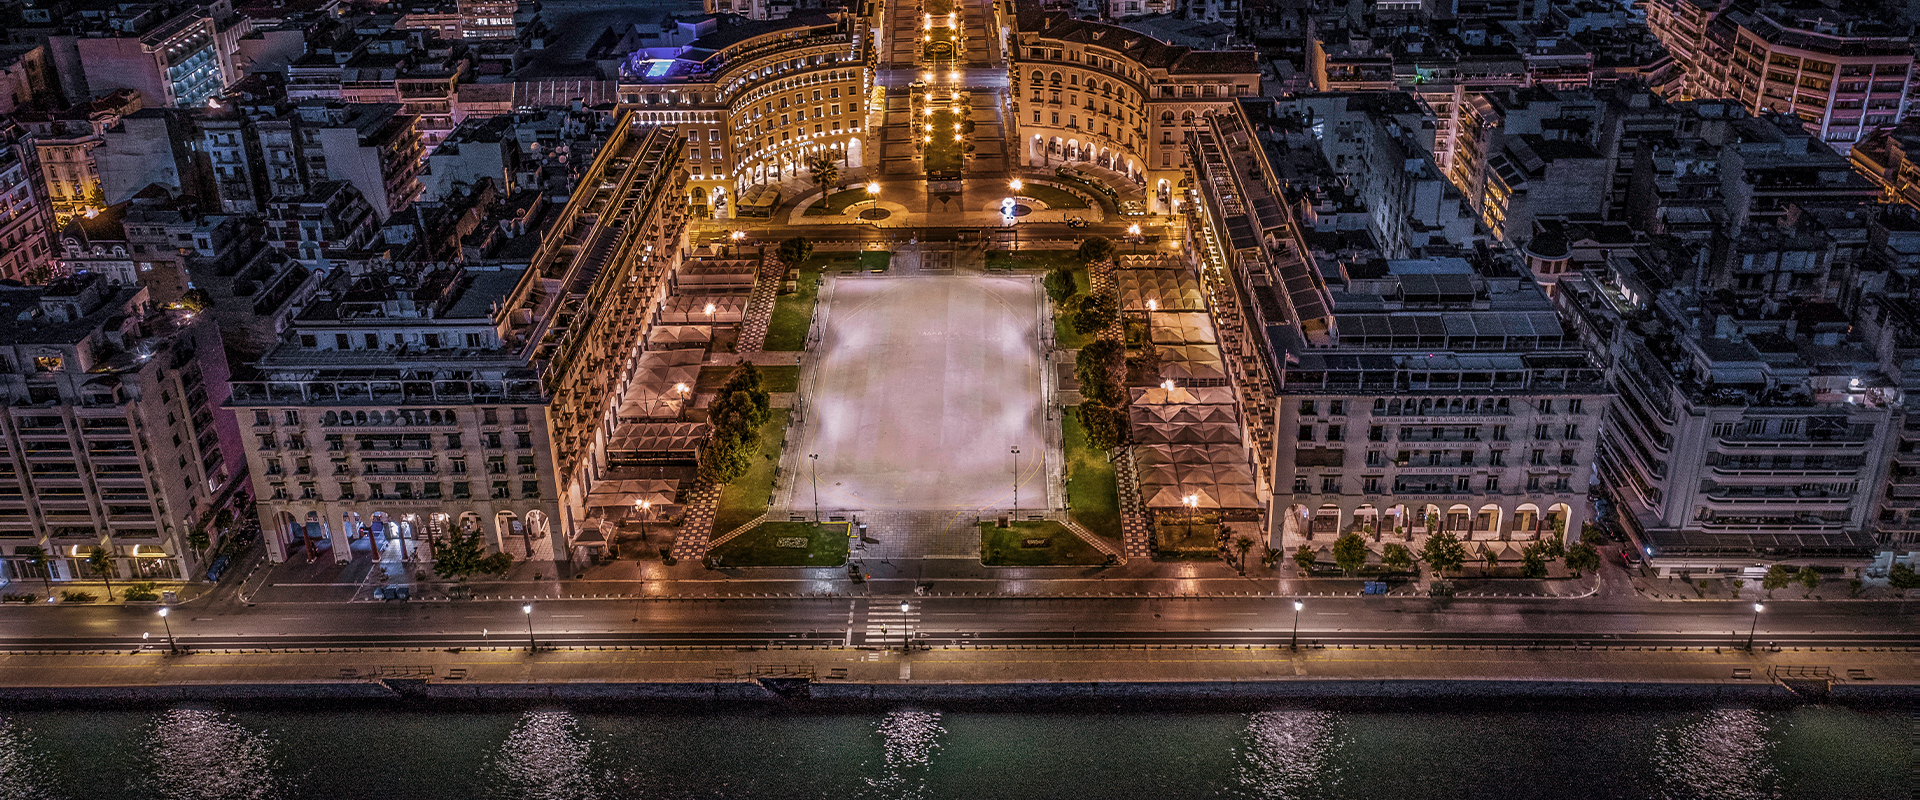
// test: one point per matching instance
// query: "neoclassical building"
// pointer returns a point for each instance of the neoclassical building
(758, 99)
(1090, 93)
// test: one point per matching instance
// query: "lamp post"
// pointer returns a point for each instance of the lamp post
(814, 458)
(171, 647)
(1016, 481)
(1294, 644)
(1757, 608)
(906, 629)
(736, 236)
(528, 610)
(1192, 502)
(643, 506)
(1133, 234)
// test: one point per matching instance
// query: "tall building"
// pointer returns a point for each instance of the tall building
(113, 432)
(1841, 73)
(1412, 394)
(1116, 99)
(26, 220)
(400, 404)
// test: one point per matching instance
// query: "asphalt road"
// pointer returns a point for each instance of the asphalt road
(980, 621)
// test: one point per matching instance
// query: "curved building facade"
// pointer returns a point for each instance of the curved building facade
(1091, 93)
(758, 100)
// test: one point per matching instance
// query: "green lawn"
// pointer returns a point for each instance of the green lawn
(773, 379)
(1063, 332)
(826, 546)
(1093, 494)
(835, 204)
(945, 154)
(746, 498)
(793, 313)
(1003, 547)
(1042, 260)
(876, 259)
(1052, 197)
(1173, 537)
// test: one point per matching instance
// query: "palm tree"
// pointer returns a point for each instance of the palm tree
(37, 558)
(102, 561)
(825, 172)
(1243, 544)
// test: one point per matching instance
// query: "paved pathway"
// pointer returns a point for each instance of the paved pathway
(759, 312)
(1136, 531)
(691, 543)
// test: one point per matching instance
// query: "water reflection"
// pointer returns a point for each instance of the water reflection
(1289, 754)
(1720, 755)
(194, 754)
(23, 768)
(545, 758)
(910, 738)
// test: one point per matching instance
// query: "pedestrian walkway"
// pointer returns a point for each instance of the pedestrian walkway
(1096, 542)
(882, 624)
(691, 543)
(1136, 532)
(759, 312)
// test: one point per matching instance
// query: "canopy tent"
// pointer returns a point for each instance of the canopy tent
(728, 273)
(1157, 261)
(638, 409)
(670, 358)
(1152, 433)
(1219, 475)
(633, 439)
(1170, 290)
(1182, 395)
(1185, 415)
(691, 309)
(1192, 362)
(627, 493)
(1182, 327)
(679, 337)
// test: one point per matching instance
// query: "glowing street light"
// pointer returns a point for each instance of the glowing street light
(873, 188)
(906, 629)
(1015, 184)
(1295, 644)
(1168, 385)
(641, 507)
(171, 647)
(710, 310)
(1757, 608)
(528, 610)
(1192, 502)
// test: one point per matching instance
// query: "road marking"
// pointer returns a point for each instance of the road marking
(1332, 613)
(565, 616)
(296, 618)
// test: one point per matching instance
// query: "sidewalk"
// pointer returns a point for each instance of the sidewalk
(38, 589)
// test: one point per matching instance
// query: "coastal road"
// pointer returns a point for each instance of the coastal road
(878, 622)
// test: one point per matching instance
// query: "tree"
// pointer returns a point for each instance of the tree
(196, 300)
(1808, 577)
(102, 562)
(1060, 285)
(795, 250)
(464, 554)
(37, 559)
(1304, 558)
(198, 539)
(1093, 312)
(1777, 577)
(1098, 248)
(1443, 552)
(825, 171)
(1106, 426)
(1397, 557)
(1552, 548)
(1591, 534)
(1583, 557)
(1533, 560)
(1492, 558)
(1095, 368)
(1350, 553)
(1243, 544)
(1903, 576)
(723, 459)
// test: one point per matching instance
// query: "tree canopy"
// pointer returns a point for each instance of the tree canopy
(1350, 553)
(1092, 312)
(795, 250)
(1097, 248)
(1443, 552)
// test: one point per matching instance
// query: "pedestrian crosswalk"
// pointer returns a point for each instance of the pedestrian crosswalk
(883, 624)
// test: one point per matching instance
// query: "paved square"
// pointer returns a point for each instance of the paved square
(924, 384)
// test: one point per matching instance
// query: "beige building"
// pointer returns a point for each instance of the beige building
(1087, 93)
(398, 406)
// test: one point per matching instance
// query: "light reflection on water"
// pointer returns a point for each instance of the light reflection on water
(545, 758)
(1723, 755)
(911, 740)
(1290, 754)
(23, 769)
(197, 754)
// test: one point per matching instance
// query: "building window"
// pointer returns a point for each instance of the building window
(1566, 458)
(1308, 409)
(1336, 433)
(1329, 484)
(1493, 484)
(1371, 485)
(1300, 484)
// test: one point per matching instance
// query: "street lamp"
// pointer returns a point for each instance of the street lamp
(814, 458)
(1295, 643)
(1015, 184)
(1757, 608)
(528, 609)
(873, 188)
(906, 628)
(1133, 234)
(171, 647)
(643, 506)
(1016, 481)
